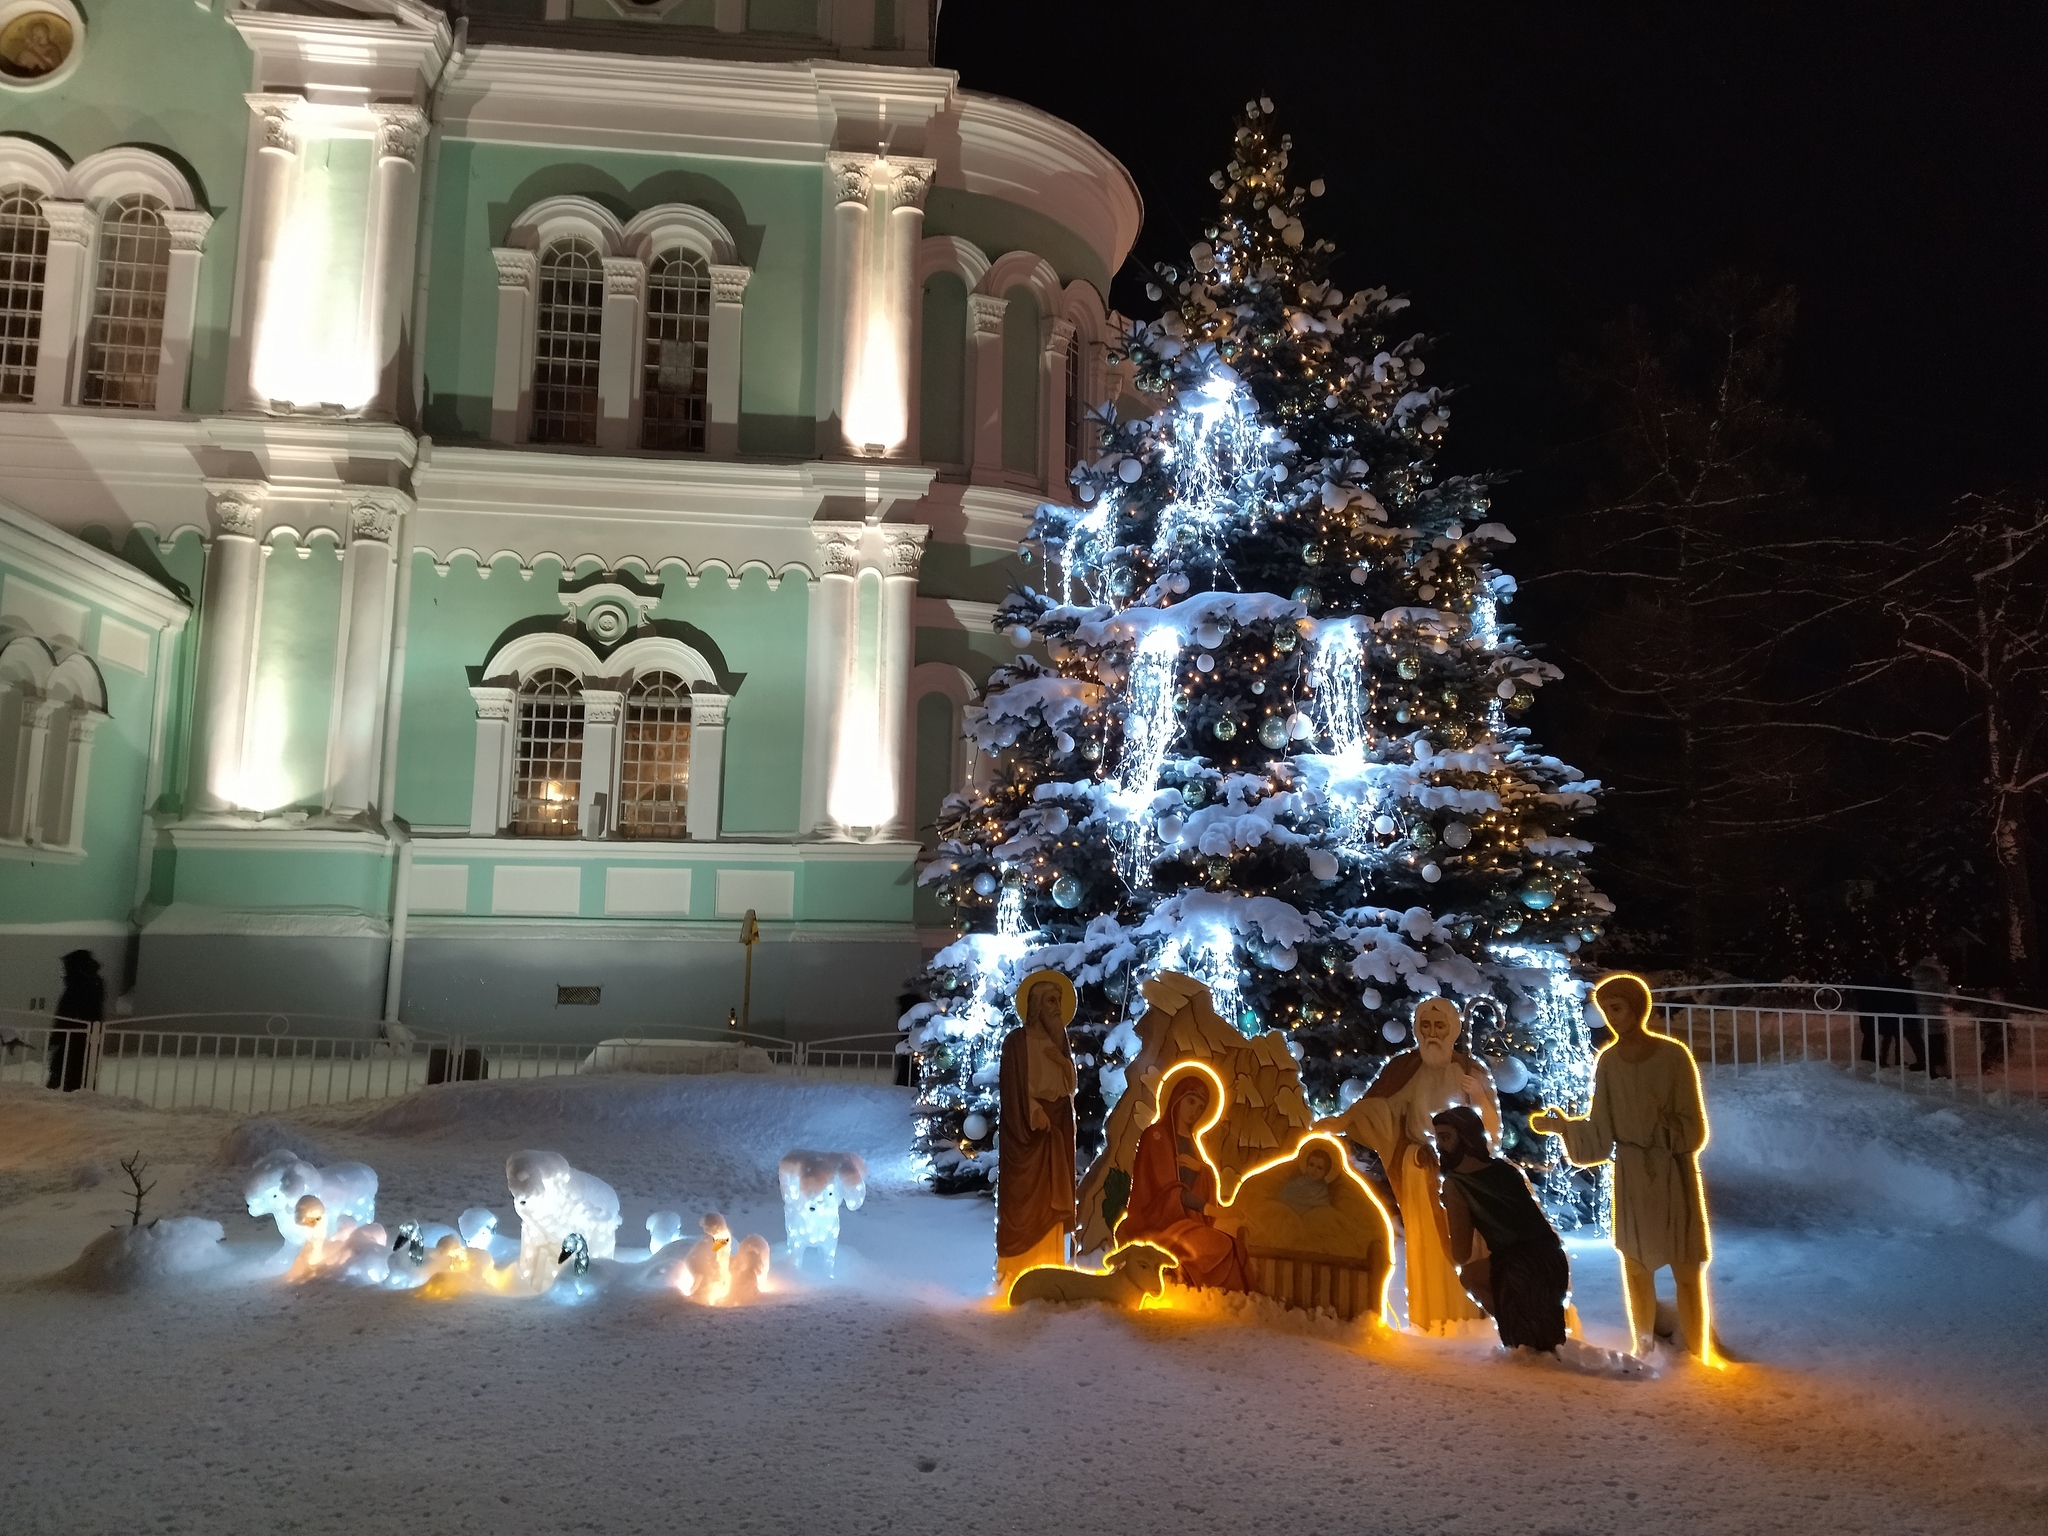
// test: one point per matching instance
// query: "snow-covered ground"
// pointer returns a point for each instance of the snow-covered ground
(1879, 1273)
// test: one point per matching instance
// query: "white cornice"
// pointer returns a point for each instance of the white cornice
(75, 566)
(956, 613)
(395, 54)
(731, 853)
(277, 838)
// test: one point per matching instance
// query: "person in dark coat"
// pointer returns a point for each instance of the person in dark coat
(82, 1003)
(1523, 1280)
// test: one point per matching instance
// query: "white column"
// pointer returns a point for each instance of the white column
(490, 792)
(902, 550)
(265, 205)
(67, 290)
(187, 229)
(31, 752)
(618, 353)
(355, 750)
(390, 236)
(850, 182)
(829, 670)
(722, 366)
(227, 644)
(67, 826)
(707, 764)
(878, 246)
(984, 432)
(1052, 395)
(598, 790)
(512, 375)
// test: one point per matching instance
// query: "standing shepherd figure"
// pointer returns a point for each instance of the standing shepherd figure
(1648, 1119)
(1035, 1145)
(82, 1004)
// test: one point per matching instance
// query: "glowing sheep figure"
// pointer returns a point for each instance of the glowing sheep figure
(308, 1202)
(359, 1251)
(814, 1186)
(553, 1200)
(663, 1228)
(748, 1269)
(707, 1267)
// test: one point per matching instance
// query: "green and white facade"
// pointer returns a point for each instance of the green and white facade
(483, 506)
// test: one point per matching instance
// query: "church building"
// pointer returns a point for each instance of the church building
(492, 494)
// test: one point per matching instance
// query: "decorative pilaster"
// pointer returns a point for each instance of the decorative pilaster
(707, 764)
(266, 290)
(618, 353)
(187, 228)
(596, 807)
(66, 289)
(1052, 393)
(879, 219)
(227, 642)
(985, 387)
(728, 295)
(64, 826)
(355, 746)
(389, 239)
(512, 381)
(497, 713)
(901, 552)
(23, 813)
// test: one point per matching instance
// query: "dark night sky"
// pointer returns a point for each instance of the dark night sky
(1525, 171)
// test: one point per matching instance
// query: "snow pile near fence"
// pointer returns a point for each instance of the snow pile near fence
(131, 1258)
(1795, 1145)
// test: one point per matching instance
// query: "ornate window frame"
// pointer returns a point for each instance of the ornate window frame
(52, 700)
(605, 685)
(627, 250)
(74, 202)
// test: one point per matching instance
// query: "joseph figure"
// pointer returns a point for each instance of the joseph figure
(1035, 1169)
(1395, 1118)
(1648, 1119)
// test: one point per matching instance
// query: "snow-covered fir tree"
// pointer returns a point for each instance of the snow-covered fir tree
(1272, 742)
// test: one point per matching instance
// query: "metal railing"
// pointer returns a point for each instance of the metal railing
(158, 1063)
(1957, 1047)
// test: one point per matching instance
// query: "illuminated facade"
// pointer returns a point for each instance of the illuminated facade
(551, 475)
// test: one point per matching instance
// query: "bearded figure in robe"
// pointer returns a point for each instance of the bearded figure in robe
(1173, 1193)
(1395, 1118)
(1035, 1170)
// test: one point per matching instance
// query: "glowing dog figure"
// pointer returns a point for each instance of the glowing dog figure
(553, 1200)
(814, 1186)
(308, 1202)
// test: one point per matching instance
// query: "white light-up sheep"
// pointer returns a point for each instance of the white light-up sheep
(553, 1200)
(814, 1186)
(307, 1202)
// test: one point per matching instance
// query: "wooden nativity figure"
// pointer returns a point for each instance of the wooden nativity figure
(1035, 1170)
(1394, 1118)
(1649, 1120)
(1173, 1191)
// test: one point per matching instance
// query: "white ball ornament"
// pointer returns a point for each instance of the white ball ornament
(1371, 998)
(1019, 635)
(1205, 663)
(1300, 727)
(1384, 825)
(1064, 743)
(1457, 835)
(975, 1126)
(1395, 1031)
(1509, 1075)
(1322, 864)
(1283, 957)
(1431, 873)
(1208, 633)
(1130, 471)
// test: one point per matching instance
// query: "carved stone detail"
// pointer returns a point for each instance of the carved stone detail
(707, 710)
(852, 177)
(516, 268)
(1059, 339)
(274, 121)
(838, 548)
(624, 277)
(187, 227)
(912, 180)
(68, 221)
(237, 506)
(401, 131)
(601, 706)
(729, 284)
(985, 314)
(902, 549)
(495, 703)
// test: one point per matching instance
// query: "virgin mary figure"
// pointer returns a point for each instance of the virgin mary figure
(1173, 1193)
(1035, 1171)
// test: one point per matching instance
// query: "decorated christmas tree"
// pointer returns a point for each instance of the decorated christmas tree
(1273, 741)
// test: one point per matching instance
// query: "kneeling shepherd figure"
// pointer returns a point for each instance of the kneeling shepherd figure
(1521, 1276)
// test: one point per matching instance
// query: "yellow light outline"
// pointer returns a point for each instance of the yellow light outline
(1219, 1103)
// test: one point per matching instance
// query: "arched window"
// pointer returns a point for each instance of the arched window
(654, 758)
(125, 344)
(675, 386)
(550, 778)
(24, 250)
(565, 341)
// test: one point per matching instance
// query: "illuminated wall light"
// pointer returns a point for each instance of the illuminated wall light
(311, 349)
(863, 792)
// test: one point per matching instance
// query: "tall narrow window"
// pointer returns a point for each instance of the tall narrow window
(24, 247)
(550, 780)
(571, 318)
(654, 759)
(675, 386)
(127, 334)
(1077, 406)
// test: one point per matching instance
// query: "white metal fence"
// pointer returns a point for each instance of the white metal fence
(1956, 1047)
(266, 1065)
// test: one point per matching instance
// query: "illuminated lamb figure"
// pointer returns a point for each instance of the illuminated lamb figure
(553, 1200)
(814, 1185)
(284, 1182)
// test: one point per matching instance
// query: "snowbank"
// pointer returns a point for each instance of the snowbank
(130, 1258)
(1796, 1144)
